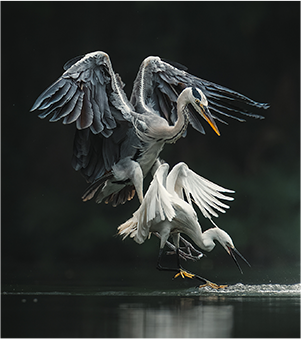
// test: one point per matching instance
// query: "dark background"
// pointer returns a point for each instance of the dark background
(48, 233)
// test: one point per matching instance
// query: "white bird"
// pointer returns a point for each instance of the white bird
(118, 141)
(165, 211)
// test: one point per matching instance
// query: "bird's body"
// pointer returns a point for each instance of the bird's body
(167, 209)
(164, 209)
(118, 141)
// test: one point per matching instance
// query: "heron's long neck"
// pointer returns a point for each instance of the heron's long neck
(157, 128)
(181, 123)
(204, 240)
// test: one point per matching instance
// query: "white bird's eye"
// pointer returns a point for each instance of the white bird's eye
(197, 101)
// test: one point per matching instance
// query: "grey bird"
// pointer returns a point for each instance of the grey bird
(118, 141)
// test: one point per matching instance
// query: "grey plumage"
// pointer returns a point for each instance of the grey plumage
(113, 132)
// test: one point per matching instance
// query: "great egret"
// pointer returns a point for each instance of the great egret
(117, 141)
(165, 211)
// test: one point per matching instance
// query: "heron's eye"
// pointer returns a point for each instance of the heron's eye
(197, 101)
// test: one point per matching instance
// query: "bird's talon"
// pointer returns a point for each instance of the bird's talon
(213, 285)
(184, 274)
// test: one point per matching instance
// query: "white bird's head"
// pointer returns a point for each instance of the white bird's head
(225, 240)
(200, 103)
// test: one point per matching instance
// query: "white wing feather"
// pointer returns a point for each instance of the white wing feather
(204, 193)
(156, 207)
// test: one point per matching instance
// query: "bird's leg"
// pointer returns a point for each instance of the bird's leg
(190, 248)
(178, 269)
(182, 254)
(156, 165)
(183, 273)
(160, 267)
(137, 180)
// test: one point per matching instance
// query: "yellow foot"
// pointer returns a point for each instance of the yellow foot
(184, 274)
(213, 285)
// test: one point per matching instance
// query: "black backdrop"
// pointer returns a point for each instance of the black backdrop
(251, 47)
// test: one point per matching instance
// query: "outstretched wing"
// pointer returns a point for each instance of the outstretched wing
(159, 83)
(94, 155)
(88, 93)
(204, 193)
(156, 206)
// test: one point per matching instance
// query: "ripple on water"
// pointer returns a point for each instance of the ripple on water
(238, 289)
(255, 290)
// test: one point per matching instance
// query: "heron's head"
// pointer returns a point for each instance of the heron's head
(199, 102)
(225, 240)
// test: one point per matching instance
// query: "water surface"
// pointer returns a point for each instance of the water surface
(240, 310)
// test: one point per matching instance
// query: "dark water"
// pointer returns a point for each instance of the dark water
(240, 310)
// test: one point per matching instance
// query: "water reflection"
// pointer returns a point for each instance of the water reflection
(190, 318)
(86, 312)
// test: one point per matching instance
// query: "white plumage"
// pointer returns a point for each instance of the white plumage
(167, 209)
(164, 209)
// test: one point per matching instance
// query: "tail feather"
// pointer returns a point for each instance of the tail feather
(96, 186)
(129, 228)
(121, 197)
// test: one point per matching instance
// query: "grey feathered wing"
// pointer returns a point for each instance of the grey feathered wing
(159, 83)
(91, 95)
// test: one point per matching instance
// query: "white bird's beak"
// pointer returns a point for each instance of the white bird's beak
(231, 251)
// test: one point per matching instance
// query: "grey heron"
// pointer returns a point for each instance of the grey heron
(167, 209)
(118, 141)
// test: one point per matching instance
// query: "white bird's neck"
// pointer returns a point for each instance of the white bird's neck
(205, 240)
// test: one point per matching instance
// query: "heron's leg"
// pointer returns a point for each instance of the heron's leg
(137, 180)
(128, 169)
(190, 247)
(179, 269)
(183, 273)
(156, 165)
(182, 254)
(161, 268)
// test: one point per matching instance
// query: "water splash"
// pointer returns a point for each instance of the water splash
(255, 290)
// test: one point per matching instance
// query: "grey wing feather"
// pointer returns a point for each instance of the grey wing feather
(91, 95)
(87, 155)
(157, 78)
(94, 155)
(85, 94)
(72, 61)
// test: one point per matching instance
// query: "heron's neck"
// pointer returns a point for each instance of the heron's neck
(157, 129)
(205, 240)
(181, 123)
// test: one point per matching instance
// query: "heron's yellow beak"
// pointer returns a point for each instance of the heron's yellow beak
(208, 117)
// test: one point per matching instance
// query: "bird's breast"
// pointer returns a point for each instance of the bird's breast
(149, 155)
